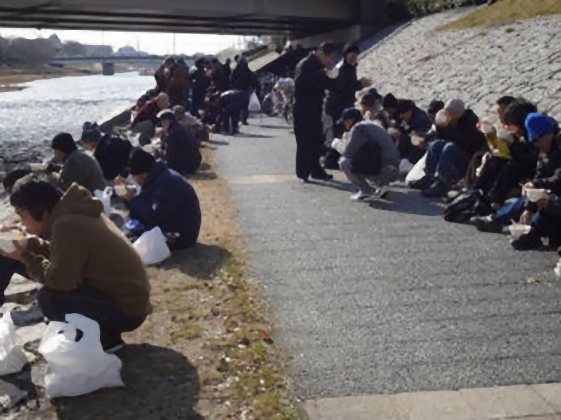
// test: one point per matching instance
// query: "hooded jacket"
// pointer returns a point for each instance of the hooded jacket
(86, 248)
(168, 201)
(464, 133)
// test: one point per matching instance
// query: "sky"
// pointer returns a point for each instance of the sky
(153, 43)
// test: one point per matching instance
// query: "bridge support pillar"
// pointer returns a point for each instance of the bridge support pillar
(108, 69)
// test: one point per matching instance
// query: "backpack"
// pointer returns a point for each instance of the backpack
(466, 206)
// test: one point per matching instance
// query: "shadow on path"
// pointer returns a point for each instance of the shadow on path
(201, 261)
(160, 384)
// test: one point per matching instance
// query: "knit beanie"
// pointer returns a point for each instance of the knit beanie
(141, 162)
(64, 142)
(90, 132)
(538, 125)
(455, 108)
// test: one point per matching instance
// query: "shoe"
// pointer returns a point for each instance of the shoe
(382, 193)
(322, 177)
(360, 196)
(487, 224)
(245, 123)
(527, 242)
(421, 184)
(437, 190)
(112, 344)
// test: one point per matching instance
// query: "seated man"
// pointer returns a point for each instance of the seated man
(180, 149)
(111, 152)
(371, 105)
(166, 200)
(194, 124)
(371, 155)
(147, 118)
(79, 167)
(448, 157)
(88, 267)
(543, 133)
(414, 121)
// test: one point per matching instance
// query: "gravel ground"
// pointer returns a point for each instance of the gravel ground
(477, 65)
(387, 298)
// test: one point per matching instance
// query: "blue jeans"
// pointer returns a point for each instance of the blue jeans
(446, 161)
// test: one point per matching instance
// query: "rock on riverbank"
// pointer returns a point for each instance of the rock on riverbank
(477, 65)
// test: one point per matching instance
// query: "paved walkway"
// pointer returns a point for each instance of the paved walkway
(388, 298)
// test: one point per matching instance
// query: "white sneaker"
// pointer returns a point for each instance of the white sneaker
(359, 196)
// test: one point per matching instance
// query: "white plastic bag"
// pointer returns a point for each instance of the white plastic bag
(518, 229)
(12, 357)
(77, 368)
(418, 171)
(105, 198)
(254, 104)
(557, 269)
(152, 247)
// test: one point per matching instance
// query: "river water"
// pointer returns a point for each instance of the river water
(31, 117)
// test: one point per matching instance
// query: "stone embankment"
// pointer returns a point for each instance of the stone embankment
(478, 65)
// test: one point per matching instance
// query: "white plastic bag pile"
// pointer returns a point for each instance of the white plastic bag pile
(254, 104)
(12, 357)
(77, 367)
(105, 198)
(152, 247)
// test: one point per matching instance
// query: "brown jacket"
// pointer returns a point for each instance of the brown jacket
(86, 248)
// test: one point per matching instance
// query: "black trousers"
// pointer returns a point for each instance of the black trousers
(8, 268)
(511, 175)
(489, 174)
(309, 141)
(91, 303)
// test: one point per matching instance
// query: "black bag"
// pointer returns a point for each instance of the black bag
(466, 206)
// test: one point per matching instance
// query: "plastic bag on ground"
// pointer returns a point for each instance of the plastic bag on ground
(12, 357)
(152, 247)
(105, 198)
(418, 171)
(518, 229)
(557, 269)
(254, 104)
(77, 367)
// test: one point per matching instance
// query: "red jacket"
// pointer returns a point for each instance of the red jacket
(149, 111)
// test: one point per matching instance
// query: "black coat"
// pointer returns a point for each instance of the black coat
(243, 78)
(181, 151)
(464, 133)
(311, 81)
(112, 153)
(342, 93)
(200, 84)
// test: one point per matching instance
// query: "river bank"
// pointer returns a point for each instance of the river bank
(11, 79)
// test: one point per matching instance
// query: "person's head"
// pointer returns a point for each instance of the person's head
(214, 63)
(63, 145)
(370, 102)
(350, 53)
(433, 109)
(166, 117)
(454, 109)
(350, 117)
(405, 109)
(140, 164)
(228, 62)
(389, 103)
(541, 130)
(200, 63)
(326, 51)
(34, 202)
(169, 62)
(515, 116)
(502, 105)
(162, 100)
(237, 58)
(179, 112)
(91, 134)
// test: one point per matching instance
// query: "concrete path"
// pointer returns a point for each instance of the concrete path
(388, 298)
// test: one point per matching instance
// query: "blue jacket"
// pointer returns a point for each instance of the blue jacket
(170, 202)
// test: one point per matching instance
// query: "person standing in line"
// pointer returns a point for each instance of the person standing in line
(311, 81)
(244, 79)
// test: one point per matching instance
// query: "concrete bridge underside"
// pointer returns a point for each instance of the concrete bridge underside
(298, 18)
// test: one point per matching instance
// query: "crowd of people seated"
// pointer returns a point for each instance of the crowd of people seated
(84, 262)
(495, 171)
(215, 95)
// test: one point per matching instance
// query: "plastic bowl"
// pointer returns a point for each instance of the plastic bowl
(7, 240)
(120, 190)
(441, 117)
(486, 128)
(416, 140)
(535, 194)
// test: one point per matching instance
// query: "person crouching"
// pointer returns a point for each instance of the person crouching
(371, 155)
(180, 147)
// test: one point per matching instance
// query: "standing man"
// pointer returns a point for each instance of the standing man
(244, 79)
(311, 81)
(342, 94)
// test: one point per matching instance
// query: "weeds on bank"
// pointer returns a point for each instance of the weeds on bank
(504, 12)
